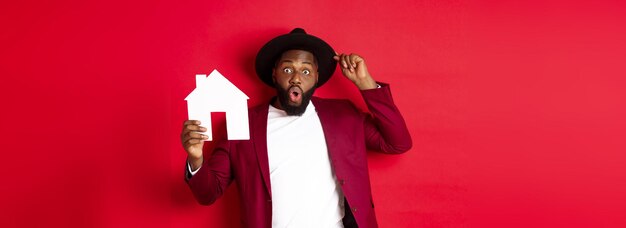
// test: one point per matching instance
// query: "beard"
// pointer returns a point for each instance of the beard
(293, 110)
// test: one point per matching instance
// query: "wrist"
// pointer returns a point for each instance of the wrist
(194, 162)
(365, 84)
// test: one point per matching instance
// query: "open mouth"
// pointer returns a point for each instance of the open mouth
(295, 94)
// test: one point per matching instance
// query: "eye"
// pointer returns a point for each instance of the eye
(306, 72)
(288, 70)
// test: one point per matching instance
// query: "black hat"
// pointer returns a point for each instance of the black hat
(297, 39)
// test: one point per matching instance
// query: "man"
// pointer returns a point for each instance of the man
(305, 164)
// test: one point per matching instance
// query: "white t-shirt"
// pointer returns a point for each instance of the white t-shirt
(305, 192)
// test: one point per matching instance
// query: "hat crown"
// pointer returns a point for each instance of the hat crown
(297, 31)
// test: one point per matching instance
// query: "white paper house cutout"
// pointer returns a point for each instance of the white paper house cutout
(216, 94)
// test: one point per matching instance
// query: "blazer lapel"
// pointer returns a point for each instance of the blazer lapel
(259, 134)
(327, 121)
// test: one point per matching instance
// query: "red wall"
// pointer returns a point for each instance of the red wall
(516, 108)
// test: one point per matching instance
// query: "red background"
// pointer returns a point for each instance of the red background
(516, 108)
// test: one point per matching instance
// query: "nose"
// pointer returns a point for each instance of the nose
(295, 79)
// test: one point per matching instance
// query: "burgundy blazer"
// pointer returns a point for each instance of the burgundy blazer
(349, 134)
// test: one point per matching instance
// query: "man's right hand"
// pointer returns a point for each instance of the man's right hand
(193, 141)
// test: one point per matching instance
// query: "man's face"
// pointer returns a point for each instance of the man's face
(295, 78)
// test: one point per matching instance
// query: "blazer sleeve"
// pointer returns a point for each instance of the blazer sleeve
(212, 179)
(385, 129)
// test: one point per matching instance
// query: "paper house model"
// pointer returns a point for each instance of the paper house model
(216, 94)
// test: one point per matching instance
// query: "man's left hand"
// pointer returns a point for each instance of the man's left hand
(354, 68)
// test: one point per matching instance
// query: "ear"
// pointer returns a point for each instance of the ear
(274, 75)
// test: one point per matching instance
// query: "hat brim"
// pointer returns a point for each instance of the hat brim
(270, 52)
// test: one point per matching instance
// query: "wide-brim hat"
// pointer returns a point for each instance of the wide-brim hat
(297, 39)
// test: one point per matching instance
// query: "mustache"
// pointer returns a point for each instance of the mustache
(295, 86)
